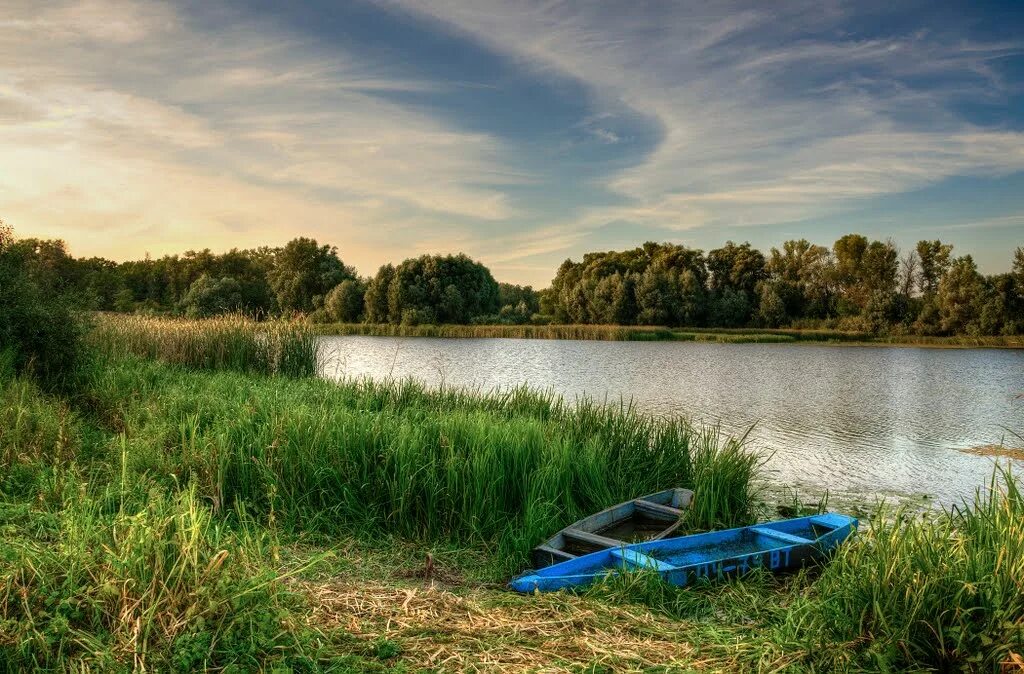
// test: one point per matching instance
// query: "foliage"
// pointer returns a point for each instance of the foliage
(858, 284)
(208, 297)
(303, 273)
(39, 329)
(432, 289)
(344, 303)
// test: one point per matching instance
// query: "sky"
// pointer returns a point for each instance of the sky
(521, 132)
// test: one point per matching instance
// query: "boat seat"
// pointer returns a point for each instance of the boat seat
(782, 536)
(640, 560)
(555, 552)
(657, 508)
(593, 539)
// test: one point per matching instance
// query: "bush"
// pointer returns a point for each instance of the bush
(39, 327)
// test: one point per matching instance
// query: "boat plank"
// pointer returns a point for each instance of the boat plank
(641, 561)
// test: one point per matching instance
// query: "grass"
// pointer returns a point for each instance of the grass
(187, 513)
(656, 333)
(494, 471)
(227, 342)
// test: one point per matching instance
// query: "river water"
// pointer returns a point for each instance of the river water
(858, 421)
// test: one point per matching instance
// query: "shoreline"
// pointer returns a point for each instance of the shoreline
(661, 334)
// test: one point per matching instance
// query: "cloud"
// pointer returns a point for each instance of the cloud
(768, 114)
(133, 118)
(133, 126)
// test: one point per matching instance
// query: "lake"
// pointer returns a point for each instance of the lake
(859, 421)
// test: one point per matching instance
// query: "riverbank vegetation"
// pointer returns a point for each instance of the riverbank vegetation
(856, 286)
(170, 513)
(616, 333)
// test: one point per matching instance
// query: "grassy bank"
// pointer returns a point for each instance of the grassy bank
(186, 512)
(655, 333)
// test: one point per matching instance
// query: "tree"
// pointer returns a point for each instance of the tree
(377, 293)
(433, 288)
(908, 273)
(738, 267)
(960, 295)
(800, 275)
(40, 332)
(345, 301)
(303, 273)
(208, 296)
(517, 303)
(771, 309)
(935, 261)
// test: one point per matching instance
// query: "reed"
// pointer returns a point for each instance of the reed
(500, 470)
(223, 343)
(657, 333)
(157, 585)
(578, 332)
(940, 591)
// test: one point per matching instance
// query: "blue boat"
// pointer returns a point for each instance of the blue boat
(779, 546)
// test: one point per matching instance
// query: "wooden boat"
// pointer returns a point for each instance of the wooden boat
(647, 518)
(778, 546)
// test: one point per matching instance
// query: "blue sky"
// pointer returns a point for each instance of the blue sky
(519, 132)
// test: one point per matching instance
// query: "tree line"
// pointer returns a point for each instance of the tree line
(856, 284)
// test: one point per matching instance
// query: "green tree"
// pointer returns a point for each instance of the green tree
(377, 293)
(771, 309)
(303, 273)
(739, 267)
(960, 296)
(40, 331)
(934, 258)
(208, 296)
(434, 288)
(801, 276)
(346, 300)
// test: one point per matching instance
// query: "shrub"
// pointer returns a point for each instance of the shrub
(39, 327)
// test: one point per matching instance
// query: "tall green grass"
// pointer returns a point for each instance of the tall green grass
(154, 586)
(581, 332)
(657, 333)
(223, 343)
(940, 591)
(500, 471)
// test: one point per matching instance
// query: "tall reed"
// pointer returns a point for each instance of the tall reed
(502, 470)
(938, 591)
(224, 343)
(159, 585)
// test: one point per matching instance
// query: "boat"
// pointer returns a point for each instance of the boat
(647, 518)
(782, 545)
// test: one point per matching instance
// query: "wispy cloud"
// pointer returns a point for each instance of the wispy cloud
(768, 115)
(129, 117)
(128, 126)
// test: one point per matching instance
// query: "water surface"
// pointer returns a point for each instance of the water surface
(858, 421)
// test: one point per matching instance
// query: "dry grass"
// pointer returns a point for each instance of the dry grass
(997, 451)
(491, 631)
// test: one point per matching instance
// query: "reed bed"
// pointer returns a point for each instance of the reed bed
(944, 591)
(658, 333)
(499, 471)
(223, 343)
(611, 333)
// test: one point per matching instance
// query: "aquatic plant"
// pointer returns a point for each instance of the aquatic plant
(945, 591)
(224, 343)
(501, 470)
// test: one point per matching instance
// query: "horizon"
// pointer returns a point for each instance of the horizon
(518, 133)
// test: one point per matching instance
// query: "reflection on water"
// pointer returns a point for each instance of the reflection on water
(854, 420)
